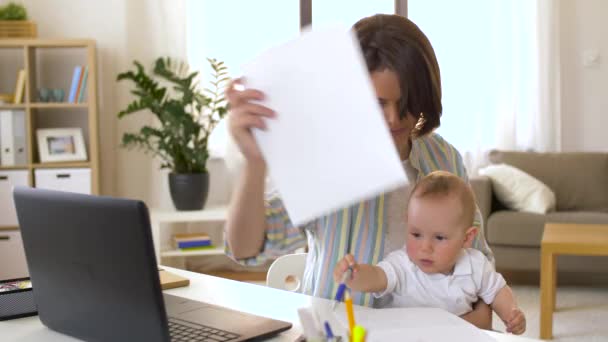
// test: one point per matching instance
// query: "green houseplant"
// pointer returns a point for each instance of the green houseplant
(185, 115)
(13, 11)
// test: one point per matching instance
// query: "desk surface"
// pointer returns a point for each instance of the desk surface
(240, 296)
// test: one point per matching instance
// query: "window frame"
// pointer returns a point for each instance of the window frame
(306, 11)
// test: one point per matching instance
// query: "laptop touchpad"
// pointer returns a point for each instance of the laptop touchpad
(219, 318)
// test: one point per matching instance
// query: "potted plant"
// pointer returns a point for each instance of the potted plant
(186, 117)
(14, 23)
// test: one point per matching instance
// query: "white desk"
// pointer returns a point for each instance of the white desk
(245, 297)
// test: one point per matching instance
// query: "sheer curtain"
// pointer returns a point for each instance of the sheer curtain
(153, 28)
(500, 73)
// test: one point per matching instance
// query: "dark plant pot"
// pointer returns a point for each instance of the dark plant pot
(189, 190)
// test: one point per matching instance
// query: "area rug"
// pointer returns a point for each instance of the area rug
(581, 313)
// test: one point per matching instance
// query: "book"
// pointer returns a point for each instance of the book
(75, 81)
(188, 244)
(193, 240)
(19, 87)
(83, 86)
(170, 280)
(201, 248)
(191, 237)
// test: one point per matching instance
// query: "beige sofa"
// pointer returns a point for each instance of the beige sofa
(580, 183)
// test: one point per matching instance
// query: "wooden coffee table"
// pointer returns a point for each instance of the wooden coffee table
(564, 239)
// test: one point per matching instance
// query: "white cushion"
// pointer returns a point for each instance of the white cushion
(518, 190)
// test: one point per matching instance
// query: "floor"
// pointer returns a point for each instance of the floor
(582, 313)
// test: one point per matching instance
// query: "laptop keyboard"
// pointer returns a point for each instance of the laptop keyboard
(186, 331)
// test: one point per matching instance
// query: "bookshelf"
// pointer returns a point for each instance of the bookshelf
(162, 222)
(40, 114)
(49, 63)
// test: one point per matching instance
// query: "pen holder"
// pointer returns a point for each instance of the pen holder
(16, 303)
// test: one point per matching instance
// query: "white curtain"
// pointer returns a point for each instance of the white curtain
(499, 64)
(153, 28)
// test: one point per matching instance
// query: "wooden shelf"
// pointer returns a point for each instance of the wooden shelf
(12, 106)
(8, 228)
(178, 253)
(61, 105)
(14, 167)
(46, 43)
(212, 214)
(61, 165)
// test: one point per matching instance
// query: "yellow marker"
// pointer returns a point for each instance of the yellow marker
(358, 334)
(349, 312)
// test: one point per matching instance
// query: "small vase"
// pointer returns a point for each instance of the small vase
(189, 190)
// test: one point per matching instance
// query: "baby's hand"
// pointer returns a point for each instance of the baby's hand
(342, 267)
(517, 322)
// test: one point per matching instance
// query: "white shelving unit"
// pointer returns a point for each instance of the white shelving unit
(162, 231)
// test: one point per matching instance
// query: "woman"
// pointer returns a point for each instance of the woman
(405, 75)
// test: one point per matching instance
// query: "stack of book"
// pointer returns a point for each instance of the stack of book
(79, 84)
(192, 242)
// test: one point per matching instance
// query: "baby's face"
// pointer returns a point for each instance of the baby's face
(436, 233)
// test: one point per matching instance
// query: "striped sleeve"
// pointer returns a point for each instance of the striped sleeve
(282, 237)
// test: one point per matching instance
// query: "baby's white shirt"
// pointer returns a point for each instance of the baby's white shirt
(473, 277)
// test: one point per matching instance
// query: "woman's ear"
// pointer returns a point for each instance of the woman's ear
(469, 236)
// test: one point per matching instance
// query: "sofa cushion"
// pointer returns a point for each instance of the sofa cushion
(518, 190)
(513, 228)
(578, 179)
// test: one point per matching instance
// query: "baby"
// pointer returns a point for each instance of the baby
(436, 269)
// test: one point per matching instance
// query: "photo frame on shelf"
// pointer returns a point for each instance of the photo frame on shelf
(61, 144)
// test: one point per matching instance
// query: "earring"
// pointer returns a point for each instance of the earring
(420, 123)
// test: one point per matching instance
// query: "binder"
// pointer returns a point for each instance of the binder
(13, 143)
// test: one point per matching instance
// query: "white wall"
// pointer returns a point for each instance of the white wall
(584, 89)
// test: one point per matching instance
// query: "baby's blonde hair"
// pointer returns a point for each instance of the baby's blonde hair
(442, 183)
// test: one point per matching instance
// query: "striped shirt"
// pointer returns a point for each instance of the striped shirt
(360, 229)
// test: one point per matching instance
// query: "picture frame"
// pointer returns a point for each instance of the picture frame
(61, 144)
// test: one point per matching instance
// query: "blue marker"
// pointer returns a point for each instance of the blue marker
(328, 331)
(342, 286)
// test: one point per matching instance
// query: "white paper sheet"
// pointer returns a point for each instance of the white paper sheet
(329, 146)
(400, 324)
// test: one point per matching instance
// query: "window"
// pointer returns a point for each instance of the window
(488, 56)
(347, 12)
(235, 31)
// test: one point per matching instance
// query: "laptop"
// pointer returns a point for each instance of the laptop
(94, 274)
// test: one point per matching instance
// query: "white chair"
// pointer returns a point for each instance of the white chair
(286, 273)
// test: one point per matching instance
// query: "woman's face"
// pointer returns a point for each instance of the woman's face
(388, 92)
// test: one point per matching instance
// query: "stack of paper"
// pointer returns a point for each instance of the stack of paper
(394, 324)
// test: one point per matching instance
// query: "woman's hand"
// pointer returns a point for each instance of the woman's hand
(245, 114)
(343, 265)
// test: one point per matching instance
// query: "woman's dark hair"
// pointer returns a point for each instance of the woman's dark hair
(396, 43)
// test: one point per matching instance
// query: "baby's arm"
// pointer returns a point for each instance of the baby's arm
(365, 278)
(505, 306)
